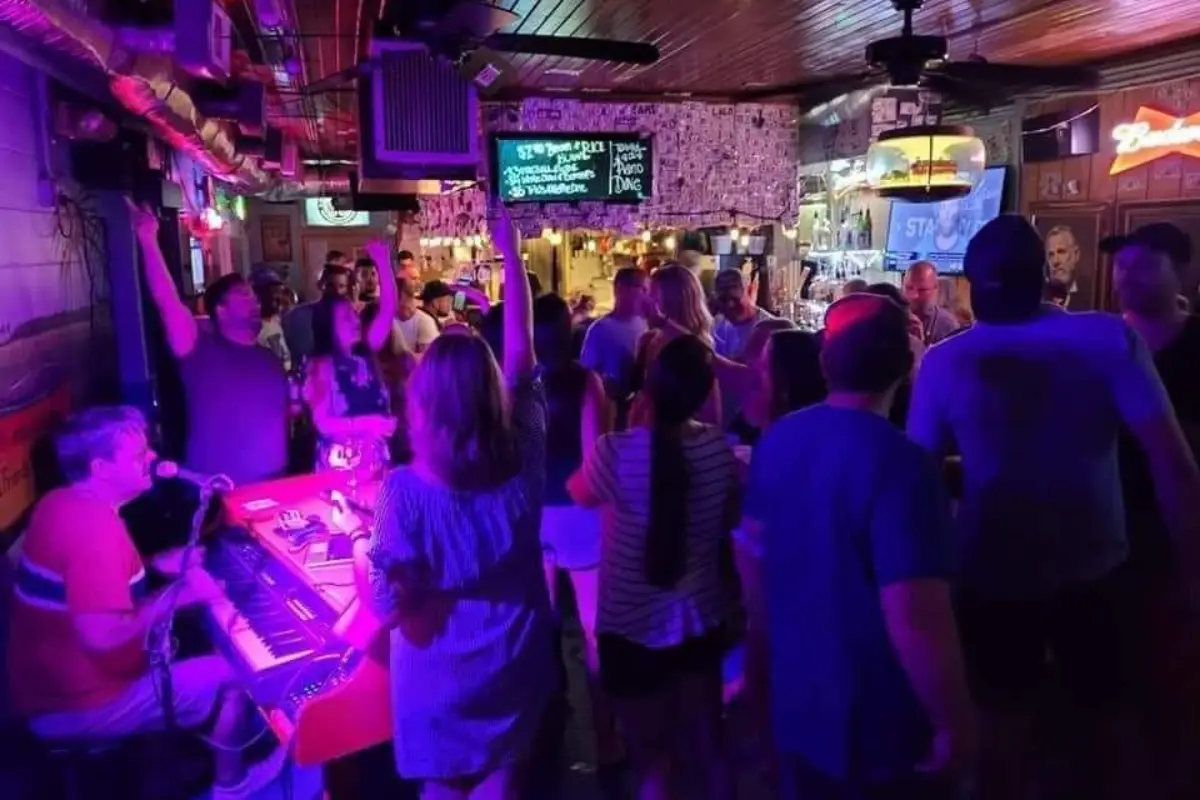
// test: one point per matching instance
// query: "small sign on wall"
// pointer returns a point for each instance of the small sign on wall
(320, 212)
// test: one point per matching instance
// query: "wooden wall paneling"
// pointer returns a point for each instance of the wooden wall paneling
(1102, 188)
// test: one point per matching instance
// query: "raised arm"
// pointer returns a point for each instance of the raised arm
(179, 324)
(518, 300)
(1147, 412)
(389, 298)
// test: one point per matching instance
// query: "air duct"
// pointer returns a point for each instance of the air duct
(143, 82)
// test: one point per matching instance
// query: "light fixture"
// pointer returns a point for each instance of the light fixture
(646, 236)
(669, 243)
(926, 163)
(555, 238)
(477, 241)
(734, 234)
(457, 242)
(435, 242)
(213, 219)
(424, 242)
(744, 240)
(547, 233)
(591, 245)
(789, 232)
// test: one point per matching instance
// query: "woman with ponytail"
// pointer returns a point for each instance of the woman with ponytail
(670, 496)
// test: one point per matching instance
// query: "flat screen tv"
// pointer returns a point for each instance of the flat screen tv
(572, 167)
(939, 232)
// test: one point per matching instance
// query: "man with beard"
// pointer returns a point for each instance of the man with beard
(236, 390)
(921, 291)
(946, 234)
(1148, 271)
(1062, 254)
(335, 281)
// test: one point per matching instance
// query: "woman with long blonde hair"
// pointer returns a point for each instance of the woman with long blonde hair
(455, 562)
(675, 305)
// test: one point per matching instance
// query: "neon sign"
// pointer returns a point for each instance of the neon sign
(1152, 135)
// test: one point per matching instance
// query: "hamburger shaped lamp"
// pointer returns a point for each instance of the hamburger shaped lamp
(926, 164)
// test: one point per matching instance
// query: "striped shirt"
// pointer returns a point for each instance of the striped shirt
(77, 559)
(618, 472)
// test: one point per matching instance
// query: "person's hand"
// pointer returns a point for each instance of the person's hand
(145, 223)
(170, 562)
(377, 250)
(199, 586)
(952, 752)
(504, 233)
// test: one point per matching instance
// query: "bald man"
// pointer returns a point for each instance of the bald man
(921, 291)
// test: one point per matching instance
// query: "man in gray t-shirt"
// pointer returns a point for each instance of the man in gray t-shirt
(236, 392)
(610, 345)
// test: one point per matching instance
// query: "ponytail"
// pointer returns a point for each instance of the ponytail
(665, 536)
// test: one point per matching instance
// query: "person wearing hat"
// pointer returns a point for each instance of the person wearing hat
(859, 619)
(736, 314)
(1034, 400)
(436, 301)
(1149, 267)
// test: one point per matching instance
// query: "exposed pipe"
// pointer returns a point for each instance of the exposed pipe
(277, 34)
(142, 82)
(307, 187)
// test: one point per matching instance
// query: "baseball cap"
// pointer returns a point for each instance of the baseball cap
(435, 289)
(1005, 264)
(1162, 237)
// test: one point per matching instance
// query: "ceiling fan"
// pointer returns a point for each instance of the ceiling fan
(454, 30)
(920, 61)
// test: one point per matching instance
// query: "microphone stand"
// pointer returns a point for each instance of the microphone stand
(159, 638)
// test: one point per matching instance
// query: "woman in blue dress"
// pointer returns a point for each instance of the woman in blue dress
(454, 564)
(344, 387)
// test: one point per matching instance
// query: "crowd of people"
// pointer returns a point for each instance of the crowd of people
(971, 541)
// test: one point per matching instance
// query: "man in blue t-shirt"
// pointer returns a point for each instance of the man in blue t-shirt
(868, 694)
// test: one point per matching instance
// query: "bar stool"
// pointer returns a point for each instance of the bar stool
(84, 769)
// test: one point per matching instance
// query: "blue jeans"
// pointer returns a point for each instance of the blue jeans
(799, 780)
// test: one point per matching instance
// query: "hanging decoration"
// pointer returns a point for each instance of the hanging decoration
(710, 160)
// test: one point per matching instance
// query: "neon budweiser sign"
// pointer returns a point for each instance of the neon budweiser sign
(1152, 135)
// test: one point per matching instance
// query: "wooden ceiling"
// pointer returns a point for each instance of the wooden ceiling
(724, 46)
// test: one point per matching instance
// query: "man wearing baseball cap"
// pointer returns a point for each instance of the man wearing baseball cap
(1149, 268)
(868, 695)
(1164, 238)
(1034, 399)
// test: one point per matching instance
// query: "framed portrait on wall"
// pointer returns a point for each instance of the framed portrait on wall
(1072, 233)
(276, 232)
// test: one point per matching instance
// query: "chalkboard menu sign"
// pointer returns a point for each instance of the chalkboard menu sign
(571, 167)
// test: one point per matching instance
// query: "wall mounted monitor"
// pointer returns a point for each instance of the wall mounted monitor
(939, 232)
(572, 167)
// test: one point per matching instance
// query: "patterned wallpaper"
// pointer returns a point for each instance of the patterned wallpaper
(709, 160)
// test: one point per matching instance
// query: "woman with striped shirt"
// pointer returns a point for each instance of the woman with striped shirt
(669, 493)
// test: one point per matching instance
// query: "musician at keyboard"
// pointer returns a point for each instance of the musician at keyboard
(82, 614)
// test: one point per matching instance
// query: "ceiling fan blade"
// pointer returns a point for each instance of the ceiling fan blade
(812, 93)
(574, 47)
(475, 19)
(339, 80)
(1019, 75)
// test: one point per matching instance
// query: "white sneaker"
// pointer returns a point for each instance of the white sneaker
(258, 777)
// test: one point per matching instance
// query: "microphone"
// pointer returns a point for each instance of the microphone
(170, 470)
